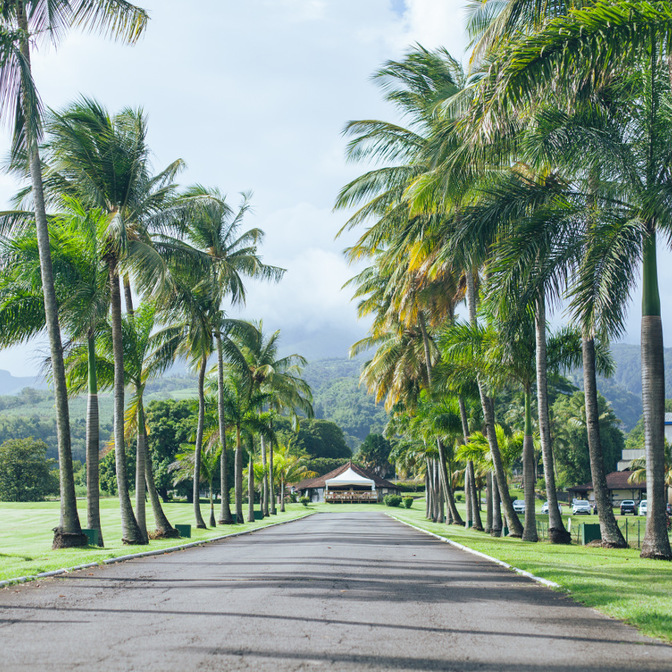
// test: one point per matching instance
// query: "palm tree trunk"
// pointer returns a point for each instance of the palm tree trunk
(271, 488)
(282, 494)
(476, 522)
(557, 534)
(250, 489)
(441, 518)
(515, 528)
(93, 445)
(609, 530)
(476, 512)
(264, 482)
(128, 296)
(162, 526)
(200, 523)
(656, 543)
(496, 529)
(69, 531)
(488, 502)
(428, 494)
(530, 529)
(238, 477)
(141, 475)
(444, 480)
(213, 522)
(130, 530)
(225, 512)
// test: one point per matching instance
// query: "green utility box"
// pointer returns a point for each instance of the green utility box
(184, 530)
(91, 535)
(590, 532)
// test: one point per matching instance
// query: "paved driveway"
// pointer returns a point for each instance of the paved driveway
(334, 591)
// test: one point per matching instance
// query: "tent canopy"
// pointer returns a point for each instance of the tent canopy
(350, 477)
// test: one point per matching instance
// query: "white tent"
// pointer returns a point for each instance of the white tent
(349, 477)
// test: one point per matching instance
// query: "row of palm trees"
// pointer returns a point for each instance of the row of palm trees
(539, 179)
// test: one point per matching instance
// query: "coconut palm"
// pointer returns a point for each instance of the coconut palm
(290, 467)
(83, 299)
(103, 160)
(22, 23)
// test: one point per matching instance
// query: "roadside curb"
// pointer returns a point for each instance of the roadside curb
(522, 572)
(144, 554)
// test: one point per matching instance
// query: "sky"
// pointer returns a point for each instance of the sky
(253, 96)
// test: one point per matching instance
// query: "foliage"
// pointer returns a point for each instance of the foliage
(305, 500)
(408, 502)
(392, 500)
(25, 472)
(374, 455)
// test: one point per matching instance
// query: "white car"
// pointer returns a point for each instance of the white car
(643, 506)
(544, 507)
(519, 505)
(580, 507)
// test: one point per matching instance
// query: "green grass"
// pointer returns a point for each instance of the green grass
(616, 582)
(26, 534)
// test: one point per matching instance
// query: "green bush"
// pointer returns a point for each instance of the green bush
(305, 500)
(392, 500)
(408, 501)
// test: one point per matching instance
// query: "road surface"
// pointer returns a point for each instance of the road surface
(349, 591)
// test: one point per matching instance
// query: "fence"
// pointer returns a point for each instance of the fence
(632, 530)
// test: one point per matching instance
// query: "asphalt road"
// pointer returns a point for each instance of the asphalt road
(332, 591)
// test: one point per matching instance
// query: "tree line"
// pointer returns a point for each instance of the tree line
(536, 181)
(125, 272)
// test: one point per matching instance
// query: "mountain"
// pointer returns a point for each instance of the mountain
(10, 384)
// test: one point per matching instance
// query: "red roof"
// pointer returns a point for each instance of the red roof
(616, 480)
(319, 481)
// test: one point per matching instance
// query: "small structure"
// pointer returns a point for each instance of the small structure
(347, 483)
(618, 486)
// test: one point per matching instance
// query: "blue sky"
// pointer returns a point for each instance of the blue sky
(253, 95)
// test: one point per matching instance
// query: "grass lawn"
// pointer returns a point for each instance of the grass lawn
(26, 534)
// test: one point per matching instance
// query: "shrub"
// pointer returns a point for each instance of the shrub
(408, 501)
(304, 500)
(392, 500)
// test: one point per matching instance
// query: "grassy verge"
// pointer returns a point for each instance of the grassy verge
(25, 535)
(616, 582)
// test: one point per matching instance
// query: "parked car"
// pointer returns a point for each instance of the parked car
(628, 506)
(544, 507)
(643, 505)
(668, 508)
(581, 506)
(519, 505)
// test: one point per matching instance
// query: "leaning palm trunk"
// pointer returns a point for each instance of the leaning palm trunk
(250, 490)
(264, 482)
(93, 446)
(162, 527)
(530, 529)
(200, 523)
(656, 543)
(69, 531)
(130, 531)
(271, 489)
(557, 534)
(609, 530)
(515, 528)
(238, 477)
(496, 529)
(225, 512)
(476, 521)
(140, 476)
(444, 479)
(488, 502)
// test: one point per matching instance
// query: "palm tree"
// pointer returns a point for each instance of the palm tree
(630, 158)
(209, 238)
(290, 467)
(83, 300)
(104, 162)
(279, 379)
(22, 22)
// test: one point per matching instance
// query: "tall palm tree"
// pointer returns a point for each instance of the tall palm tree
(22, 22)
(103, 160)
(82, 292)
(290, 467)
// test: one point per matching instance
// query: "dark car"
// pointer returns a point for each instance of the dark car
(628, 506)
